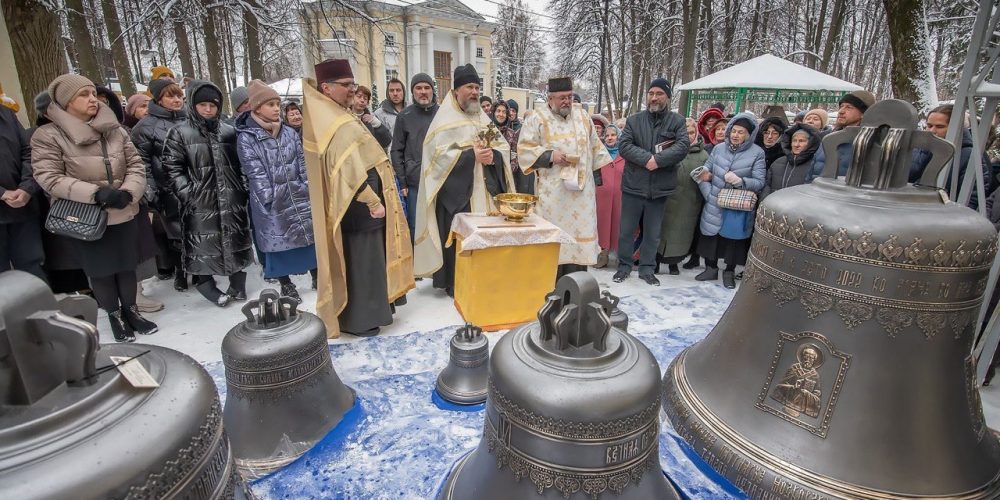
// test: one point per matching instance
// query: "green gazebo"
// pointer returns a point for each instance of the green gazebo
(768, 79)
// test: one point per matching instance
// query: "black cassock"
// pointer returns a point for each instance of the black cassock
(454, 198)
(367, 306)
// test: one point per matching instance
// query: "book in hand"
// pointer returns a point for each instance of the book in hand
(663, 145)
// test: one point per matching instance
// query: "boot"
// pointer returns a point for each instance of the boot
(709, 274)
(208, 290)
(180, 280)
(672, 269)
(241, 295)
(288, 290)
(120, 328)
(692, 262)
(729, 279)
(146, 304)
(140, 325)
(602, 259)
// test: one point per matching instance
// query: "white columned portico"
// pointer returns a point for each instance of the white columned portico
(428, 63)
(472, 53)
(461, 60)
(412, 52)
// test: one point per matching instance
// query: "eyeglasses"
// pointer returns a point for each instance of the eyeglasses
(348, 85)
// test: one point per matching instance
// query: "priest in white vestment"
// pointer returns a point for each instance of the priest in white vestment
(559, 144)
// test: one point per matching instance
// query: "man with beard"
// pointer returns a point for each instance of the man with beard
(461, 174)
(408, 142)
(393, 105)
(562, 135)
(364, 262)
(653, 143)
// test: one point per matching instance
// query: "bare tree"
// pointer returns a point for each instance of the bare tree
(38, 51)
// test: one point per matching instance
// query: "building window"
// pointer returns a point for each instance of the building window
(391, 73)
(479, 52)
(390, 40)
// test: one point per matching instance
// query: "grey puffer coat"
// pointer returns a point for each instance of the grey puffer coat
(747, 161)
(203, 172)
(279, 190)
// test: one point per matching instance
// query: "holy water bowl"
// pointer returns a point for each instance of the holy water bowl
(515, 206)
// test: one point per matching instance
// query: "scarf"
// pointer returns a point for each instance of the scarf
(613, 151)
(272, 128)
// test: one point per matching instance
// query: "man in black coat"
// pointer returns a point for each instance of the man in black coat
(407, 148)
(653, 143)
(20, 233)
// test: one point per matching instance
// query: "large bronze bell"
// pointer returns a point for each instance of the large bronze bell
(283, 394)
(73, 426)
(463, 381)
(843, 366)
(572, 409)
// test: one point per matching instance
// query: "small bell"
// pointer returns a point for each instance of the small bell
(463, 381)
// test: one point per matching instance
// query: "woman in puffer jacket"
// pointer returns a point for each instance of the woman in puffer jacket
(273, 161)
(84, 155)
(735, 163)
(203, 172)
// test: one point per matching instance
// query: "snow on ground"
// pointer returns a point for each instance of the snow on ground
(398, 442)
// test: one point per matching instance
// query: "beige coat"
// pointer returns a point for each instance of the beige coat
(68, 163)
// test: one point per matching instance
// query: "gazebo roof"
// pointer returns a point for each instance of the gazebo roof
(770, 72)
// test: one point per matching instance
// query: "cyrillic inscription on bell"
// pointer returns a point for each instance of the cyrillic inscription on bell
(842, 367)
(572, 409)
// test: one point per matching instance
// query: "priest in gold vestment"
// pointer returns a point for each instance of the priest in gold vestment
(559, 144)
(361, 232)
(461, 173)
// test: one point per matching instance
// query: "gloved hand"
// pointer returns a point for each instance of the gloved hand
(124, 198)
(105, 196)
(110, 197)
(734, 179)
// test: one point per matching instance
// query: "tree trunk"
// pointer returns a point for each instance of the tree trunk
(83, 44)
(213, 51)
(836, 22)
(118, 55)
(252, 29)
(38, 51)
(692, 12)
(912, 66)
(183, 48)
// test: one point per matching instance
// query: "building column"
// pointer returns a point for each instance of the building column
(461, 61)
(472, 51)
(427, 65)
(412, 53)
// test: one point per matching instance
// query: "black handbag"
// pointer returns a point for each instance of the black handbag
(80, 221)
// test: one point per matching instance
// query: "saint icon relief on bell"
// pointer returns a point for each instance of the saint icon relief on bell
(794, 389)
(799, 390)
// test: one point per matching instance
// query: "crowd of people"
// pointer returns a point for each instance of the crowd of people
(348, 195)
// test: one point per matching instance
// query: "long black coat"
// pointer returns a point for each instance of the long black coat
(203, 172)
(148, 136)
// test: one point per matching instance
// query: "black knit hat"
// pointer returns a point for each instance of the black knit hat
(561, 84)
(207, 93)
(421, 78)
(662, 84)
(465, 75)
(156, 88)
(512, 104)
(745, 123)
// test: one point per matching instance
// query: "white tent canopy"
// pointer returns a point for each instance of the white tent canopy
(769, 72)
(287, 88)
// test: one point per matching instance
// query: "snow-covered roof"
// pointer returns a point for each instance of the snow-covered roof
(770, 72)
